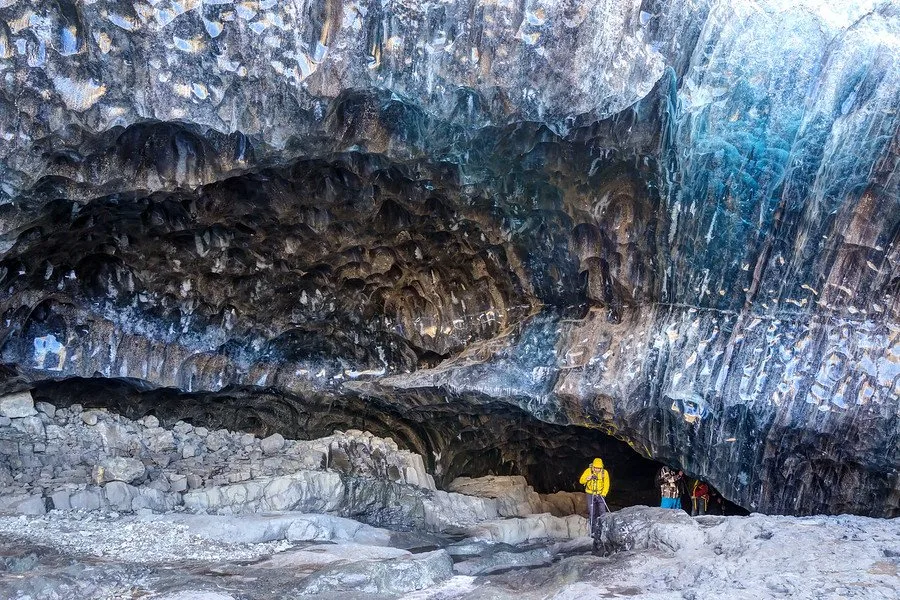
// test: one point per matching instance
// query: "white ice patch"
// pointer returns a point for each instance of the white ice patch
(836, 13)
(45, 345)
(78, 95)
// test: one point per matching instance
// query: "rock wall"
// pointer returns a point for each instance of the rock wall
(492, 437)
(676, 222)
(93, 460)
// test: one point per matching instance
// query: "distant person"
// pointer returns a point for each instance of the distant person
(595, 480)
(716, 503)
(684, 492)
(699, 499)
(668, 481)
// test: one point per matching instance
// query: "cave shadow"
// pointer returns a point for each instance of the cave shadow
(472, 441)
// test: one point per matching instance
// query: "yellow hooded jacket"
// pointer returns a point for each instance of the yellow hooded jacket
(595, 486)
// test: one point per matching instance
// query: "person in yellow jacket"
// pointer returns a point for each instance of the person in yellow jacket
(595, 480)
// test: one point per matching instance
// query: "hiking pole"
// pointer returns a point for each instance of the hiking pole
(605, 505)
(591, 517)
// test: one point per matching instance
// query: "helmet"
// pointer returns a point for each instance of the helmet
(598, 463)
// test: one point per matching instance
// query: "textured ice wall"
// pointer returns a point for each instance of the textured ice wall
(674, 221)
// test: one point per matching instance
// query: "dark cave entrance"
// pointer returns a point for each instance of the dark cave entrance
(553, 457)
(471, 441)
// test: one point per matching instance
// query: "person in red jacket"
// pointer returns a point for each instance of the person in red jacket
(699, 498)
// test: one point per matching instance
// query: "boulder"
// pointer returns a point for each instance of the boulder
(46, 408)
(154, 500)
(119, 469)
(215, 441)
(562, 504)
(178, 482)
(114, 436)
(8, 502)
(160, 483)
(531, 528)
(642, 528)
(331, 528)
(31, 426)
(445, 510)
(60, 500)
(17, 405)
(55, 432)
(35, 505)
(502, 561)
(88, 499)
(120, 495)
(515, 498)
(312, 459)
(312, 491)
(159, 440)
(397, 576)
(272, 444)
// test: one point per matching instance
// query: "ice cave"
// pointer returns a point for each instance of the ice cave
(340, 298)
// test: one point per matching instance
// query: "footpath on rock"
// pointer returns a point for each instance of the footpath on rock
(94, 505)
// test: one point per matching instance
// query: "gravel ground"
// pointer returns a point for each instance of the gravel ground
(129, 539)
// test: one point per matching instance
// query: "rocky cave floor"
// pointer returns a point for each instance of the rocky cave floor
(95, 505)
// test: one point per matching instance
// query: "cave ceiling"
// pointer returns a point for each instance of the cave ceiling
(677, 223)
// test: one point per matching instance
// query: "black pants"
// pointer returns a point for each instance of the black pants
(596, 509)
(699, 506)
